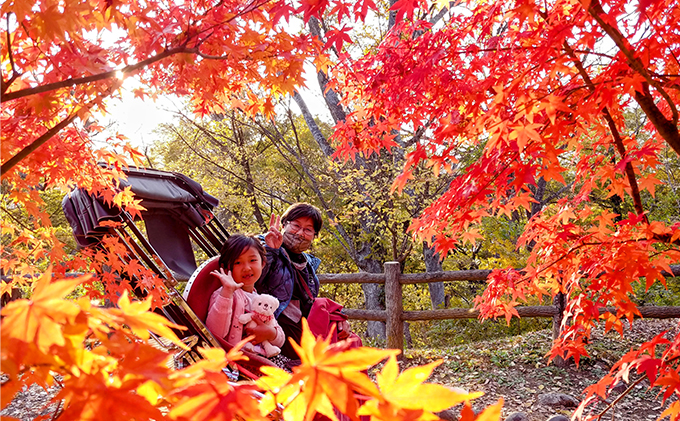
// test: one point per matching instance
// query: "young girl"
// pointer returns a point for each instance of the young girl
(242, 257)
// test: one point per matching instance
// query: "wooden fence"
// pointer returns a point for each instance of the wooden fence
(394, 314)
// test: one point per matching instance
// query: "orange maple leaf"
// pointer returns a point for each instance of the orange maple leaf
(39, 320)
(203, 392)
(673, 411)
(327, 377)
(215, 398)
(649, 183)
(89, 396)
(6, 287)
(491, 413)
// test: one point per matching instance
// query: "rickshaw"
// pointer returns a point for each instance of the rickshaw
(177, 223)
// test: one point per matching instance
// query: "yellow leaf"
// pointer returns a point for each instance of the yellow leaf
(214, 359)
(328, 376)
(140, 320)
(408, 391)
(5, 288)
(274, 378)
(389, 373)
(151, 391)
(358, 358)
(45, 290)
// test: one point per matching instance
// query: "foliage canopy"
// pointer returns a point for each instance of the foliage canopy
(541, 89)
(544, 88)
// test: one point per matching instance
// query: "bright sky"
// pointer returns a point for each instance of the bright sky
(137, 119)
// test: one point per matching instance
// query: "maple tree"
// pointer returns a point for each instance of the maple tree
(61, 60)
(531, 83)
(543, 88)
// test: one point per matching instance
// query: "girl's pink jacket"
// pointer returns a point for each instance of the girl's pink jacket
(223, 314)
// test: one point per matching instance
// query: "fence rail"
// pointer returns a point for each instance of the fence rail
(394, 314)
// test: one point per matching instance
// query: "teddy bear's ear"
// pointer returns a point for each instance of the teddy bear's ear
(273, 301)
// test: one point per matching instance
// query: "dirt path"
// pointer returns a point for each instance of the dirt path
(515, 369)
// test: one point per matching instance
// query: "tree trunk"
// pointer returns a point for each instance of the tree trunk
(321, 140)
(434, 264)
(538, 195)
(373, 296)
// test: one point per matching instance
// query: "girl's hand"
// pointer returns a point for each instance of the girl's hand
(273, 238)
(261, 332)
(228, 283)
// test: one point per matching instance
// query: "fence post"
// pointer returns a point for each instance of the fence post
(393, 306)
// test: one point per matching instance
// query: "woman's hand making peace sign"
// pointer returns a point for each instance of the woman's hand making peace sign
(273, 238)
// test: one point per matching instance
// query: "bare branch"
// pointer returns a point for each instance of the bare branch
(311, 181)
(207, 159)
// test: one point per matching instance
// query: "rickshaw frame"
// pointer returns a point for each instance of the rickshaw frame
(178, 220)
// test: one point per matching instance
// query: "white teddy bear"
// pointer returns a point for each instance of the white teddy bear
(263, 307)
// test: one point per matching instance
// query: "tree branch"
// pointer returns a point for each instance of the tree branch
(53, 131)
(15, 72)
(344, 238)
(204, 157)
(618, 141)
(93, 78)
(667, 130)
(36, 144)
(596, 11)
(618, 398)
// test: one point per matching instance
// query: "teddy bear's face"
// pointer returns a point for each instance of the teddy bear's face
(265, 304)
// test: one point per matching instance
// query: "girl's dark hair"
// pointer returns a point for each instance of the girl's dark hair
(301, 210)
(235, 245)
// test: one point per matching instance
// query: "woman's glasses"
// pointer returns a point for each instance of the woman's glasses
(297, 228)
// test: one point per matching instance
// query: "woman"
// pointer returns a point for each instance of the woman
(290, 273)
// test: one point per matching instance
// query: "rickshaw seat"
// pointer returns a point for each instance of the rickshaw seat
(200, 287)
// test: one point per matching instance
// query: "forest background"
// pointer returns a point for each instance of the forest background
(257, 166)
(541, 137)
